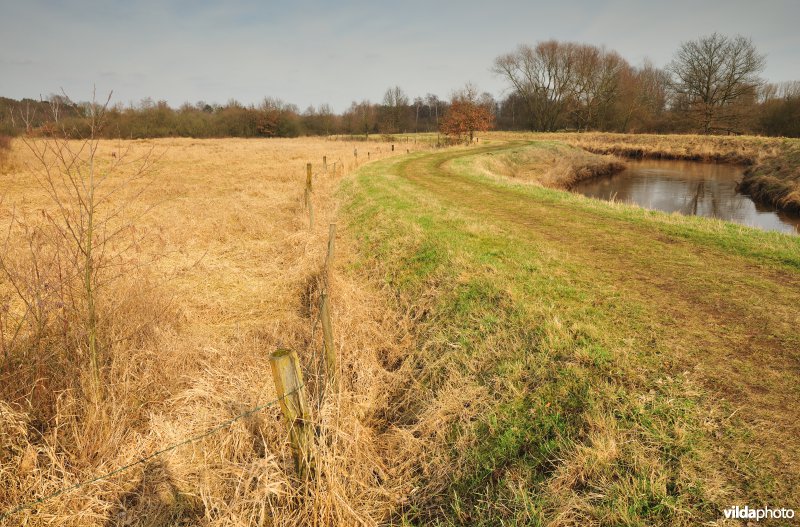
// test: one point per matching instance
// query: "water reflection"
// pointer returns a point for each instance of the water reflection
(701, 189)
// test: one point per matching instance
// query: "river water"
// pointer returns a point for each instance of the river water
(688, 187)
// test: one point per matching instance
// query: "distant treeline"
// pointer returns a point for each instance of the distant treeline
(711, 86)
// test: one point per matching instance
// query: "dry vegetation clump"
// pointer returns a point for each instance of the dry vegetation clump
(552, 165)
(214, 268)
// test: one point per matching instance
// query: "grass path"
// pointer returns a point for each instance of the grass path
(684, 334)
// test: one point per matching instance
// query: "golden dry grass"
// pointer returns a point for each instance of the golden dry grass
(744, 150)
(226, 271)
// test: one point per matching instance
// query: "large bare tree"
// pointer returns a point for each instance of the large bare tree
(642, 100)
(395, 105)
(543, 77)
(713, 75)
(597, 79)
(555, 79)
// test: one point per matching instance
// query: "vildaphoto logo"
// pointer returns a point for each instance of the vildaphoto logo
(764, 513)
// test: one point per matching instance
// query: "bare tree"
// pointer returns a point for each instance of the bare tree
(85, 239)
(418, 103)
(433, 103)
(644, 92)
(395, 103)
(543, 77)
(597, 80)
(782, 90)
(712, 74)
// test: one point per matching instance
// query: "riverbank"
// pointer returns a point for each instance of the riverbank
(551, 164)
(776, 180)
(772, 176)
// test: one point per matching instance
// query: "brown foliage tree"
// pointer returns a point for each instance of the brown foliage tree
(468, 114)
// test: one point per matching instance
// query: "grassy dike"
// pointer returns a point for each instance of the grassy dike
(579, 362)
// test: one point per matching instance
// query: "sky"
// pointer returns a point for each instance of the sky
(335, 52)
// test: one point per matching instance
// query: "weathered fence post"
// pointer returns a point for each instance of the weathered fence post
(292, 393)
(309, 192)
(327, 340)
(325, 164)
(392, 148)
(329, 257)
(308, 185)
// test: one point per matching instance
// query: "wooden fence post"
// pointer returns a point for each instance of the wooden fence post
(308, 185)
(292, 393)
(325, 164)
(327, 340)
(329, 257)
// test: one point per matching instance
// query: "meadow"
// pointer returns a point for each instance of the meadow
(510, 353)
(215, 267)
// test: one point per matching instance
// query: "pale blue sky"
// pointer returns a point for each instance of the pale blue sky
(316, 51)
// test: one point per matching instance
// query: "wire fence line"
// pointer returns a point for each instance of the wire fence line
(30, 505)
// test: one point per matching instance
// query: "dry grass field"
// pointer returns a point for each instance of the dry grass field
(215, 268)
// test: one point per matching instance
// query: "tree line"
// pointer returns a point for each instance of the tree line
(712, 85)
(270, 118)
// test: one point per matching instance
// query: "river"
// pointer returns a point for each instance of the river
(702, 189)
